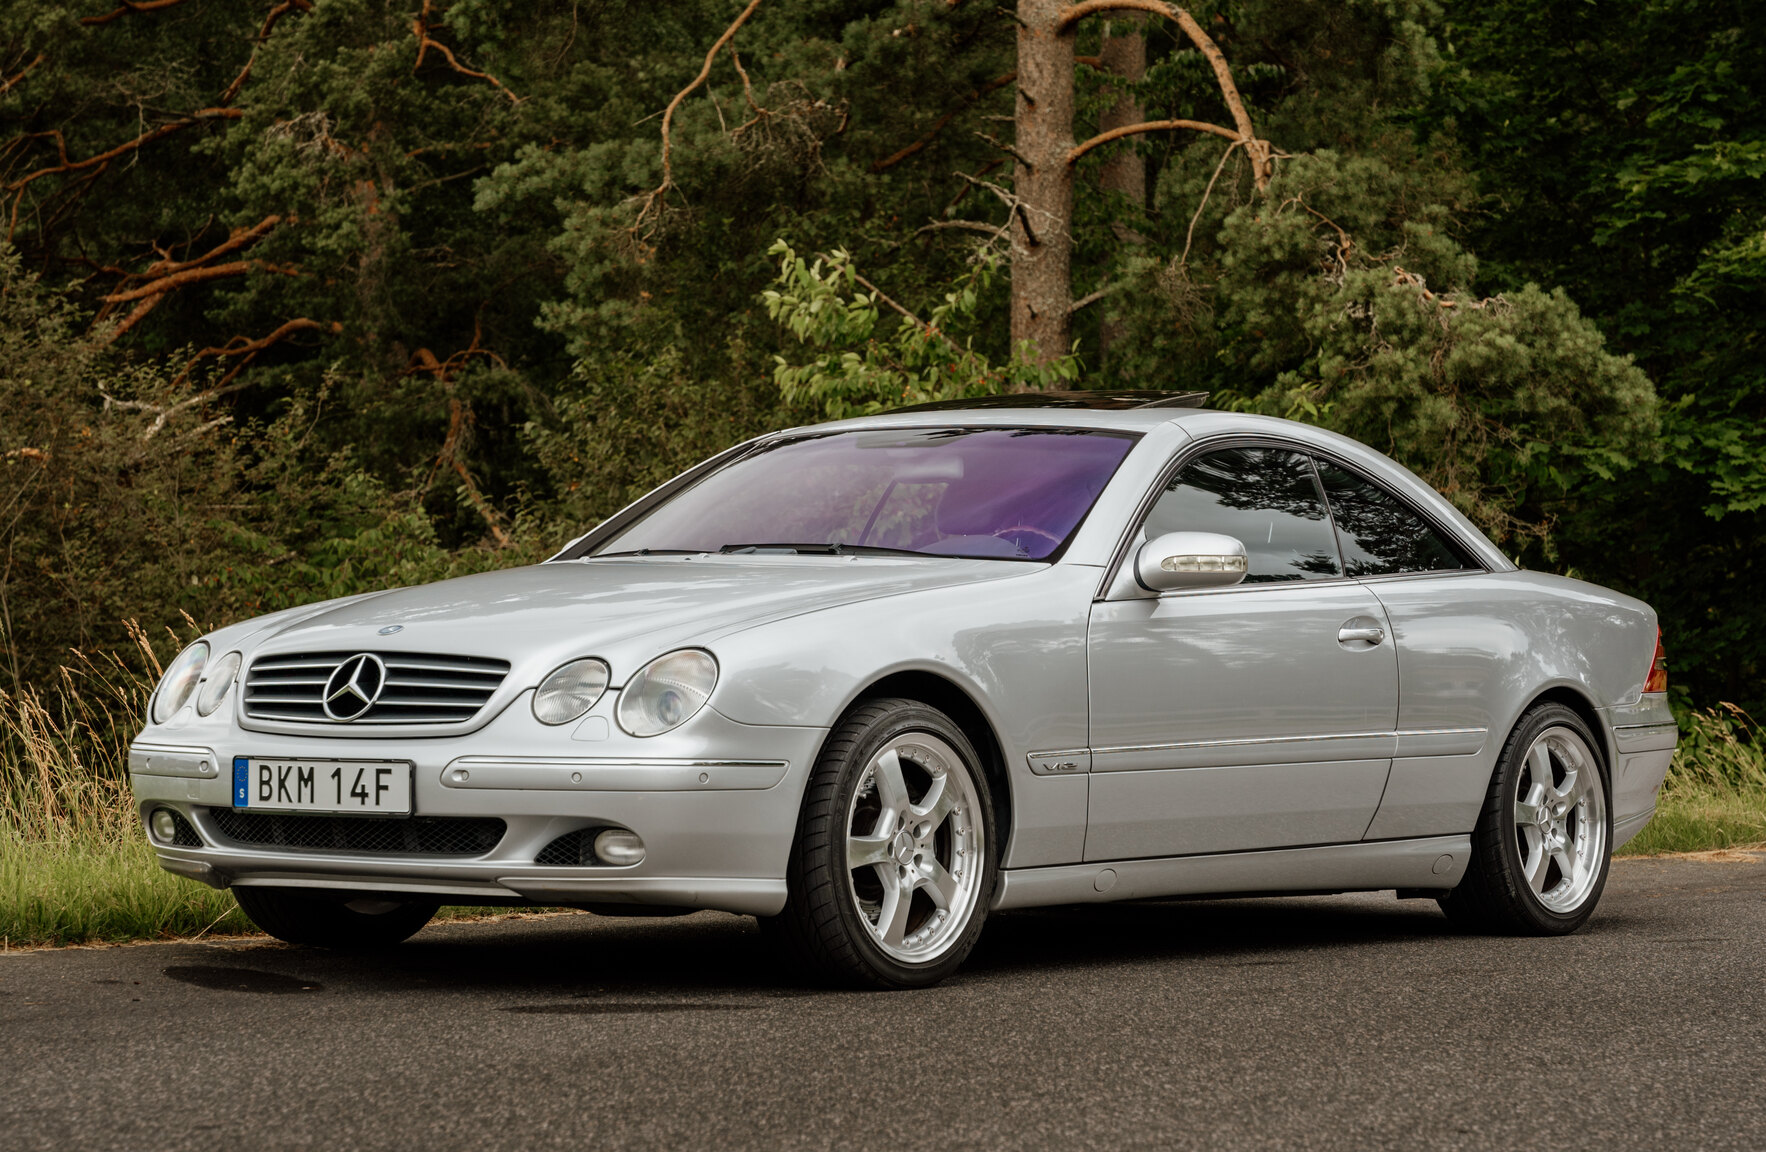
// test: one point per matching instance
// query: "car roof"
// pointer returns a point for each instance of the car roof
(1092, 399)
(1197, 423)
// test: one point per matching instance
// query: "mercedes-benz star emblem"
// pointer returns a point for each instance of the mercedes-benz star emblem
(354, 686)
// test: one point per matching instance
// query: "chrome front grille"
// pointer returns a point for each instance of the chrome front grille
(420, 688)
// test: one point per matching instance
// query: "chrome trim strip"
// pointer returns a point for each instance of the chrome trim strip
(1240, 742)
(170, 760)
(1646, 737)
(603, 774)
(1247, 741)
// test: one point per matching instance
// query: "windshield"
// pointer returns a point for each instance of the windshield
(1009, 493)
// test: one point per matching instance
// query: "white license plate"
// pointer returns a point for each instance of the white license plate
(362, 787)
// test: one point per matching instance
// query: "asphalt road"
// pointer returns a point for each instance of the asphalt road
(1324, 1022)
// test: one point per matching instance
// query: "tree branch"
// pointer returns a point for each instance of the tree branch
(931, 133)
(239, 346)
(1258, 150)
(167, 274)
(1007, 149)
(420, 26)
(276, 13)
(7, 85)
(1190, 236)
(131, 8)
(17, 187)
(1149, 126)
(668, 114)
(1090, 298)
(994, 230)
(194, 276)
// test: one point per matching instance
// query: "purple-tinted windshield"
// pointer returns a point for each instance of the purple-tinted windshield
(1010, 493)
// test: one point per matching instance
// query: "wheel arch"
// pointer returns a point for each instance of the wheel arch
(1577, 701)
(953, 700)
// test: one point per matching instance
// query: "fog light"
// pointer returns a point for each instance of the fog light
(617, 846)
(164, 825)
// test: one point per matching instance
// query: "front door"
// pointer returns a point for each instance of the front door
(1257, 716)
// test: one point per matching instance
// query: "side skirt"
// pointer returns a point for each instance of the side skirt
(1434, 862)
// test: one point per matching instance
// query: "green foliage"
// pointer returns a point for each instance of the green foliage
(514, 326)
(861, 371)
(1620, 150)
(626, 422)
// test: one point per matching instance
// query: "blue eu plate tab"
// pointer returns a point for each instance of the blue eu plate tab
(241, 781)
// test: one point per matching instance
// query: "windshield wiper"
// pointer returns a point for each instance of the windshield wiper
(650, 552)
(835, 549)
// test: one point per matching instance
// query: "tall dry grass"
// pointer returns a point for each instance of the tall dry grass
(74, 863)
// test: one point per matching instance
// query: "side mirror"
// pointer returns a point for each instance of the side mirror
(1180, 560)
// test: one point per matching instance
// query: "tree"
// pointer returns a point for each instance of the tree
(1041, 199)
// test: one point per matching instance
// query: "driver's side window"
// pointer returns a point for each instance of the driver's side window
(1268, 498)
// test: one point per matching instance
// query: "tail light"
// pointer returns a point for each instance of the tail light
(1657, 680)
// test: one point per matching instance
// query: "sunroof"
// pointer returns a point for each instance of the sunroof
(1098, 399)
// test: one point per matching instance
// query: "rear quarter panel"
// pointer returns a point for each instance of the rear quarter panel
(1474, 652)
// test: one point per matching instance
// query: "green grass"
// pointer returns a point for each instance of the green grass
(1702, 823)
(86, 888)
(1715, 794)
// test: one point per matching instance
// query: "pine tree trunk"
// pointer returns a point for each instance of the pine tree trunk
(1042, 236)
(1124, 54)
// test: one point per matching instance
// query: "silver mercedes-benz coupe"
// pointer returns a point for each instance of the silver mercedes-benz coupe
(872, 680)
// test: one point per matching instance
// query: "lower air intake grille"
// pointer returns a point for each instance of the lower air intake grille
(570, 850)
(183, 835)
(417, 836)
(370, 687)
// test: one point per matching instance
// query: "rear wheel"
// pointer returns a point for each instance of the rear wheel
(1542, 847)
(892, 868)
(302, 917)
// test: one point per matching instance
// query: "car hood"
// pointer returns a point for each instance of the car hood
(624, 610)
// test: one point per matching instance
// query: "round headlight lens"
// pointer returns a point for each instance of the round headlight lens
(179, 682)
(570, 691)
(667, 692)
(216, 684)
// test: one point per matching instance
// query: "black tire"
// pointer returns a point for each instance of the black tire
(1494, 896)
(322, 920)
(822, 931)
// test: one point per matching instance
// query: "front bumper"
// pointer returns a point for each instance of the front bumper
(717, 829)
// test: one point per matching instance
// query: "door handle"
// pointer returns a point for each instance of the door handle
(1369, 634)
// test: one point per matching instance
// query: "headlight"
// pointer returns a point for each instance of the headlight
(666, 692)
(215, 685)
(570, 691)
(179, 681)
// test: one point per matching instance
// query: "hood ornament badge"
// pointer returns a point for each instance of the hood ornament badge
(391, 628)
(353, 687)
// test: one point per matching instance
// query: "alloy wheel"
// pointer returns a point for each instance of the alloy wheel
(1560, 823)
(914, 848)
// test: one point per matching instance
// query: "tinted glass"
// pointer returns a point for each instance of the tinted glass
(1010, 493)
(1379, 535)
(1265, 497)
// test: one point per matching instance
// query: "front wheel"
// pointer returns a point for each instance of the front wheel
(1543, 844)
(317, 918)
(892, 868)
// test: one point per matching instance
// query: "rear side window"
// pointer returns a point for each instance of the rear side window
(1265, 497)
(1379, 534)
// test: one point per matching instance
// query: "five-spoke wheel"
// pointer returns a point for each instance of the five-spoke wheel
(1540, 852)
(913, 846)
(893, 864)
